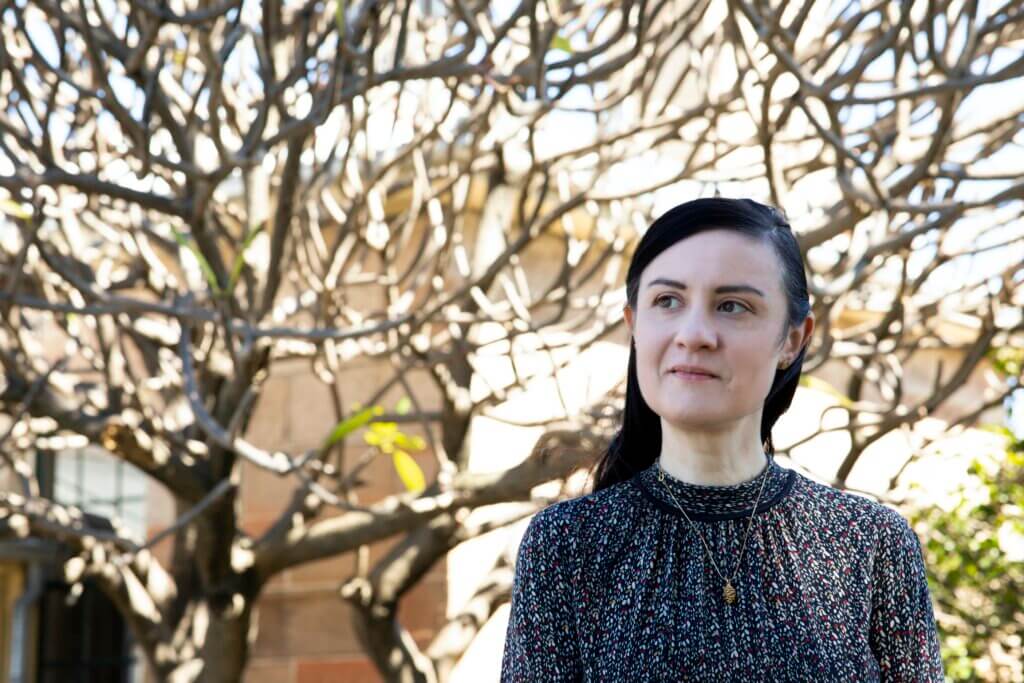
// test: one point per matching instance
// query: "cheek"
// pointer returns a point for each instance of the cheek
(648, 361)
(754, 372)
(749, 367)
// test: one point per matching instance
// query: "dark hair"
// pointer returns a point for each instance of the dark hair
(638, 442)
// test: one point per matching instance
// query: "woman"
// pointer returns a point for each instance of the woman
(697, 556)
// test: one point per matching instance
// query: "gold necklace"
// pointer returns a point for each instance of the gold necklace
(729, 591)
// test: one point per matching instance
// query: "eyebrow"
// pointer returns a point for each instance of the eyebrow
(724, 289)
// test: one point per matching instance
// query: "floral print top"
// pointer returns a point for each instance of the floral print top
(616, 586)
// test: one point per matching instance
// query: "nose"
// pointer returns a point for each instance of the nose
(695, 331)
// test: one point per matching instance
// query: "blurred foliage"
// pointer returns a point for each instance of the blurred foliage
(974, 553)
(1007, 360)
(385, 437)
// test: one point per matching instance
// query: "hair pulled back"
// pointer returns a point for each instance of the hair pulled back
(638, 442)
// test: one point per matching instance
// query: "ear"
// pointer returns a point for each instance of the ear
(797, 339)
(627, 313)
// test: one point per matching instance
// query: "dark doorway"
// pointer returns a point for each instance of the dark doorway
(84, 642)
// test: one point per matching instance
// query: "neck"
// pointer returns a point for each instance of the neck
(710, 459)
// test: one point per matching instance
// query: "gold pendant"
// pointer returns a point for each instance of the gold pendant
(729, 593)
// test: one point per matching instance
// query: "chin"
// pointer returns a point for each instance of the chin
(699, 416)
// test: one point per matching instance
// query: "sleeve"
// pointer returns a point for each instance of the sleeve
(903, 634)
(540, 643)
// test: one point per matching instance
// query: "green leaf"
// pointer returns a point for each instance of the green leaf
(995, 428)
(350, 424)
(236, 267)
(1006, 360)
(339, 16)
(404, 405)
(561, 43)
(408, 471)
(182, 239)
(204, 265)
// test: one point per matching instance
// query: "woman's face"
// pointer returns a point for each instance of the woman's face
(680, 318)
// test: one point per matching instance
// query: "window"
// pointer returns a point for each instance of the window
(94, 481)
(86, 640)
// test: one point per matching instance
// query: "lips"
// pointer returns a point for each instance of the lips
(691, 370)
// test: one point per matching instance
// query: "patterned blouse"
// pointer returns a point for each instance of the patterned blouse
(614, 586)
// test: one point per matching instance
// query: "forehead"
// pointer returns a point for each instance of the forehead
(717, 256)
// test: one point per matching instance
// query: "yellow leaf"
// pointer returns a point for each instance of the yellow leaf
(412, 442)
(561, 43)
(383, 435)
(14, 209)
(812, 382)
(408, 471)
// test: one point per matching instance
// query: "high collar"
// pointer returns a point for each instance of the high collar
(716, 502)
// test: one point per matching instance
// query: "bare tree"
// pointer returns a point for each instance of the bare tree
(197, 190)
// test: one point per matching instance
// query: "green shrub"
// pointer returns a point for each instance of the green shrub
(976, 568)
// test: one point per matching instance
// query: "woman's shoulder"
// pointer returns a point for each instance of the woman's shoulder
(617, 495)
(573, 517)
(846, 506)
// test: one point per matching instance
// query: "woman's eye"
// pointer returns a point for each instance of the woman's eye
(664, 297)
(725, 303)
(658, 301)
